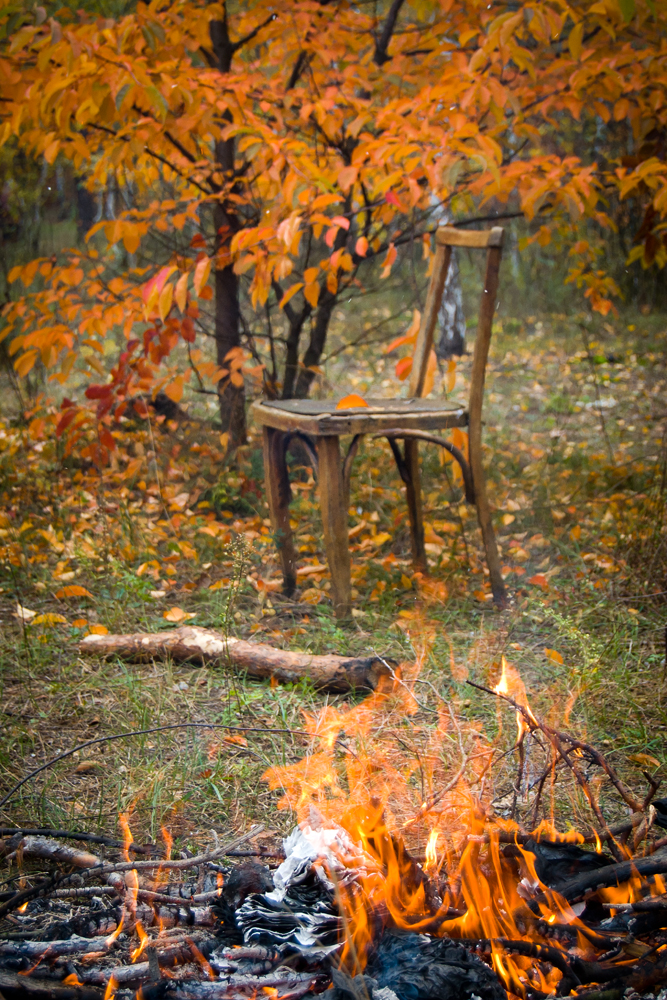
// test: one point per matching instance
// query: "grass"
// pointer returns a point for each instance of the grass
(577, 487)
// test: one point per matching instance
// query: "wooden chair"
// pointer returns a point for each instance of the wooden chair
(320, 426)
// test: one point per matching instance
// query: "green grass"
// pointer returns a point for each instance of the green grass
(555, 466)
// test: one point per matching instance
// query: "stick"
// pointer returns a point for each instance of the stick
(200, 645)
(91, 838)
(54, 882)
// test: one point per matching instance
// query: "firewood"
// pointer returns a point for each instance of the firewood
(15, 987)
(189, 643)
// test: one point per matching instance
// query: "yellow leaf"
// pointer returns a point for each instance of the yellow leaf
(79, 623)
(177, 615)
(224, 440)
(98, 630)
(73, 590)
(351, 402)
(181, 293)
(575, 40)
(508, 518)
(553, 654)
(645, 759)
(164, 302)
(202, 271)
(431, 369)
(218, 585)
(49, 619)
(575, 533)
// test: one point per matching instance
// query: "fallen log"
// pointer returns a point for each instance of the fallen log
(201, 645)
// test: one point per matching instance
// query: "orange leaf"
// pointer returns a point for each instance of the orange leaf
(73, 590)
(553, 654)
(202, 271)
(177, 615)
(351, 402)
(403, 368)
(98, 630)
(410, 335)
(361, 247)
(539, 580)
(312, 293)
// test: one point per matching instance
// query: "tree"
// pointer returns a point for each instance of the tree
(285, 147)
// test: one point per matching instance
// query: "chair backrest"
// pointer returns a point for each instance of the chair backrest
(447, 237)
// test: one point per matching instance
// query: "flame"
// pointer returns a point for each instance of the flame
(374, 774)
(72, 980)
(23, 907)
(108, 941)
(204, 964)
(220, 882)
(112, 986)
(124, 823)
(432, 852)
(143, 941)
(168, 842)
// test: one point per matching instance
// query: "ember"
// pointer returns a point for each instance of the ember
(391, 888)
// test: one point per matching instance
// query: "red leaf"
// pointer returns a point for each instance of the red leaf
(98, 391)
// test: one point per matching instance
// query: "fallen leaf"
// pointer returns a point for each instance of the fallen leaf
(645, 759)
(79, 623)
(24, 614)
(539, 580)
(312, 570)
(98, 630)
(177, 615)
(552, 654)
(49, 619)
(351, 402)
(157, 594)
(86, 766)
(312, 596)
(73, 590)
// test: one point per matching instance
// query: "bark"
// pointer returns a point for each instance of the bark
(226, 288)
(189, 643)
(318, 338)
(51, 850)
(452, 316)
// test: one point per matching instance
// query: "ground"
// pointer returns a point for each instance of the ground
(575, 415)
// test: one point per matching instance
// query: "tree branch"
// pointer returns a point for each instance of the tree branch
(382, 43)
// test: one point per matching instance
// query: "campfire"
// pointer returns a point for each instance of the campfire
(416, 872)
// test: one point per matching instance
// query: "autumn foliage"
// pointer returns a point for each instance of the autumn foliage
(271, 155)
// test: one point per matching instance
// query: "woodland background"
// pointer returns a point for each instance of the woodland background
(149, 296)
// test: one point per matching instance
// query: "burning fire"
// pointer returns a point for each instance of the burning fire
(380, 777)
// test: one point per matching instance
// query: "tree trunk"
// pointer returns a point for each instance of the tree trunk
(226, 288)
(452, 319)
(318, 339)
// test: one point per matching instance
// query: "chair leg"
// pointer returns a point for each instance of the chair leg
(489, 538)
(413, 491)
(278, 494)
(334, 504)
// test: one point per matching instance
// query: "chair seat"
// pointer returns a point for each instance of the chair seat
(321, 417)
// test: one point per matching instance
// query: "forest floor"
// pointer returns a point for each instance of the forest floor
(575, 418)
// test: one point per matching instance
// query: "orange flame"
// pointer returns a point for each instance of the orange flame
(204, 964)
(72, 980)
(374, 774)
(112, 986)
(124, 823)
(108, 941)
(143, 941)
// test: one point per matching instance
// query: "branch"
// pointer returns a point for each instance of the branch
(251, 34)
(382, 43)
